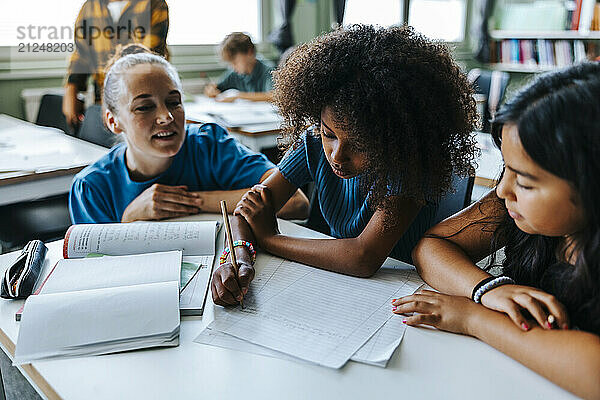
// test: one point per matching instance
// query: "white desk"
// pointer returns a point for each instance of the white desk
(259, 132)
(67, 154)
(428, 365)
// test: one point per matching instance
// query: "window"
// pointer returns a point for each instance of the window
(190, 22)
(43, 21)
(376, 12)
(439, 19)
(436, 19)
(207, 22)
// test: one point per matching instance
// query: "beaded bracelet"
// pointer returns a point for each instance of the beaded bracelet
(480, 284)
(494, 283)
(238, 243)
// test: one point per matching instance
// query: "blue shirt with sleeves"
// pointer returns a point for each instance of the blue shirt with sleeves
(342, 202)
(209, 159)
(259, 80)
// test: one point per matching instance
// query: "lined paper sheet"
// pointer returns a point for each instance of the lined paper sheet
(376, 351)
(312, 314)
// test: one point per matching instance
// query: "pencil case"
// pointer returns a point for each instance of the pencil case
(20, 278)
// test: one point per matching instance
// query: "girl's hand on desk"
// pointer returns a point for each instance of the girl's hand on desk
(256, 208)
(513, 299)
(227, 288)
(445, 312)
(162, 201)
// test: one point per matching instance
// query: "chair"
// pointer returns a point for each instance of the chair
(50, 113)
(492, 84)
(457, 198)
(93, 129)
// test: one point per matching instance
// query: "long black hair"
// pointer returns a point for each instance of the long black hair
(557, 117)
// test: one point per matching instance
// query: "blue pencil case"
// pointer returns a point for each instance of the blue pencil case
(20, 278)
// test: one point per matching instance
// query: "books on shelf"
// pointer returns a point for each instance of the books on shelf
(94, 306)
(540, 54)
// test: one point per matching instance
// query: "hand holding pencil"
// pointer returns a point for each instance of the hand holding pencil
(230, 281)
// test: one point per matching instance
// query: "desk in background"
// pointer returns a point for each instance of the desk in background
(489, 165)
(254, 124)
(63, 156)
(429, 364)
(262, 135)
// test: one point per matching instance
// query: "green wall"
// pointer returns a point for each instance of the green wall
(311, 18)
(10, 93)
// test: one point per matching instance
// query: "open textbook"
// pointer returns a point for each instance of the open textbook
(102, 305)
(195, 239)
(296, 311)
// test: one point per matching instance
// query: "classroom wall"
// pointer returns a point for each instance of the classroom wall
(311, 18)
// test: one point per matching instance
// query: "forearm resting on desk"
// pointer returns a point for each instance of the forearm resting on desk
(446, 267)
(255, 96)
(569, 358)
(346, 256)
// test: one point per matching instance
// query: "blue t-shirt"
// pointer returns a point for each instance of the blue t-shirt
(342, 202)
(209, 159)
(259, 80)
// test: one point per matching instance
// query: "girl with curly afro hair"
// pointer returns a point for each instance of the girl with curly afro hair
(379, 119)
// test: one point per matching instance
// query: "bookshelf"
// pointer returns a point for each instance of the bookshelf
(543, 35)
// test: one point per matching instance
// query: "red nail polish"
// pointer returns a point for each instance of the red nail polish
(525, 326)
(403, 321)
(548, 325)
(394, 308)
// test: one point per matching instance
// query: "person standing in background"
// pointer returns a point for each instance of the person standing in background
(100, 27)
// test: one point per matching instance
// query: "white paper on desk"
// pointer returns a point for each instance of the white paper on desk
(88, 322)
(315, 315)
(376, 351)
(103, 272)
(20, 149)
(236, 114)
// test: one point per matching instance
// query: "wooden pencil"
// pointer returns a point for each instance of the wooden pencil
(230, 244)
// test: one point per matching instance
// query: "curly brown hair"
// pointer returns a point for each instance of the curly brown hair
(402, 99)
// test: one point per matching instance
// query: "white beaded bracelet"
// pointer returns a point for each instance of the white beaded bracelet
(494, 283)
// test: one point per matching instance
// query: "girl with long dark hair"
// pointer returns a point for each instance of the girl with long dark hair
(544, 311)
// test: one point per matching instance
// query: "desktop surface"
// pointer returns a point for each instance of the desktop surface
(428, 364)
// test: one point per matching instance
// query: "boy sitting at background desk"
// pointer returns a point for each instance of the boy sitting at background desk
(248, 75)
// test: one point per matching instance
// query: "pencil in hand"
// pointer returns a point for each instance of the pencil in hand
(230, 245)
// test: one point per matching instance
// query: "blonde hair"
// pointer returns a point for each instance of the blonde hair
(113, 81)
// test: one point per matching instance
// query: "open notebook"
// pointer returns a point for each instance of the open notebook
(102, 305)
(195, 239)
